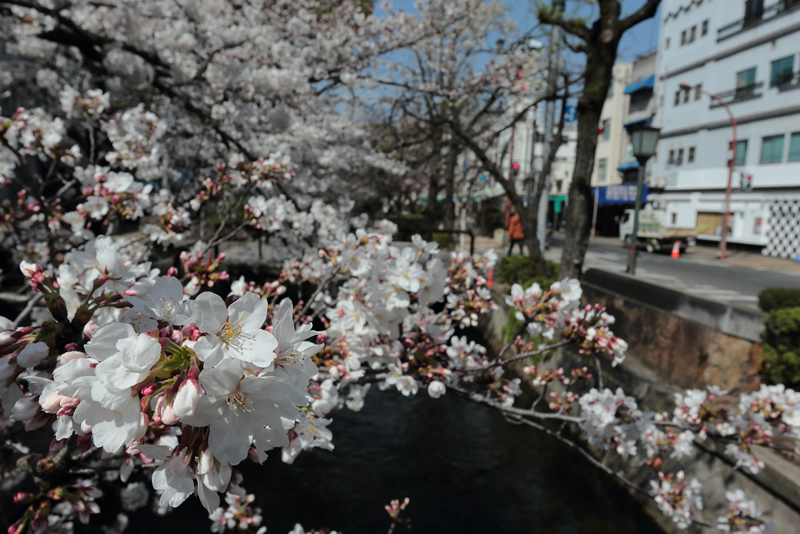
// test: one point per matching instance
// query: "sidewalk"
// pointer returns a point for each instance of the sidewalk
(702, 252)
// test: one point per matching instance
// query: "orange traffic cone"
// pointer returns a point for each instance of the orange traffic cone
(676, 250)
(489, 282)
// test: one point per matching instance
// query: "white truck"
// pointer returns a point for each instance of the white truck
(654, 233)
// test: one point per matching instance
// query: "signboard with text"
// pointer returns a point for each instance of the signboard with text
(619, 194)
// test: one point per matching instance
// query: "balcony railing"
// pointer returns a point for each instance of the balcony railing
(745, 92)
(788, 80)
(756, 17)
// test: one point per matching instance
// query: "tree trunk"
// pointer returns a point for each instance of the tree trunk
(450, 187)
(597, 78)
(433, 192)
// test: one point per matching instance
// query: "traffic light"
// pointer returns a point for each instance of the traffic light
(745, 181)
(515, 170)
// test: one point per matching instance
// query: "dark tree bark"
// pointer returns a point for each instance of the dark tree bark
(450, 187)
(599, 42)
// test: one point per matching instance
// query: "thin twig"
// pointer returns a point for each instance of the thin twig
(316, 293)
(24, 313)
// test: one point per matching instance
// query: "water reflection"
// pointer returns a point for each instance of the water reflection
(464, 467)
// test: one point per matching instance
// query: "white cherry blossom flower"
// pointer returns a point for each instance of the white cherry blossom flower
(233, 332)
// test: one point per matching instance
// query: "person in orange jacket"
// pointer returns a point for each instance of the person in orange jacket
(515, 233)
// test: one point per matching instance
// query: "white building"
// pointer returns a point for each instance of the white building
(528, 155)
(746, 52)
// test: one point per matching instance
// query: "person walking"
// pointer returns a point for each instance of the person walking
(515, 233)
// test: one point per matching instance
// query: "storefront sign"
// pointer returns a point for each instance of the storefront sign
(619, 194)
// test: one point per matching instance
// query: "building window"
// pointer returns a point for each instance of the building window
(686, 95)
(741, 153)
(753, 11)
(704, 29)
(781, 71)
(671, 160)
(674, 219)
(772, 149)
(559, 185)
(683, 37)
(677, 98)
(691, 155)
(601, 169)
(606, 133)
(666, 44)
(692, 34)
(697, 92)
(794, 147)
(679, 161)
(610, 93)
(745, 83)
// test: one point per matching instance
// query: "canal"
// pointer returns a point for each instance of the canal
(464, 467)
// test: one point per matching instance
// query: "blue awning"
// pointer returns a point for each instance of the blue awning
(647, 120)
(630, 165)
(644, 83)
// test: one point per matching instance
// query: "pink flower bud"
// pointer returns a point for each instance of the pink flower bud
(180, 459)
(89, 329)
(189, 394)
(52, 402)
(72, 355)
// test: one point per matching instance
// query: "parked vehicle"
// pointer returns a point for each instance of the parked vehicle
(654, 232)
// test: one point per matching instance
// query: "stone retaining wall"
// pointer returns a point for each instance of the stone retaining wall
(668, 353)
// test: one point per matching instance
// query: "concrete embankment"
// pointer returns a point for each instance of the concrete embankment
(678, 341)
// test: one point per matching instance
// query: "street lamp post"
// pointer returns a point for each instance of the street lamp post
(643, 142)
(724, 242)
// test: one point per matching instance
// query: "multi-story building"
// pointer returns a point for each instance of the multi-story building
(746, 53)
(612, 148)
(611, 141)
(611, 201)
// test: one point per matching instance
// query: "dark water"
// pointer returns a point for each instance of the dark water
(464, 467)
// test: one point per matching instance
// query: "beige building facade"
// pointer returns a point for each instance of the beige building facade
(612, 140)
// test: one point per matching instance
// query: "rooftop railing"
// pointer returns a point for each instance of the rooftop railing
(755, 17)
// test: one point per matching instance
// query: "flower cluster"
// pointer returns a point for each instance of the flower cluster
(677, 498)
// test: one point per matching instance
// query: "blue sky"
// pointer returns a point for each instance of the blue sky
(640, 40)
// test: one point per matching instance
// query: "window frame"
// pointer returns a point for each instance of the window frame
(748, 89)
(792, 137)
(602, 163)
(690, 155)
(606, 126)
(780, 79)
(704, 28)
(739, 142)
(768, 139)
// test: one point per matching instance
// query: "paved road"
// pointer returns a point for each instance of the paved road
(732, 284)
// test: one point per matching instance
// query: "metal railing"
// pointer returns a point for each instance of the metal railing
(756, 17)
(745, 92)
(788, 81)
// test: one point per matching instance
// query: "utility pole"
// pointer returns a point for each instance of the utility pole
(549, 119)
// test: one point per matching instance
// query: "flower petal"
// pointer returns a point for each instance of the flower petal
(209, 312)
